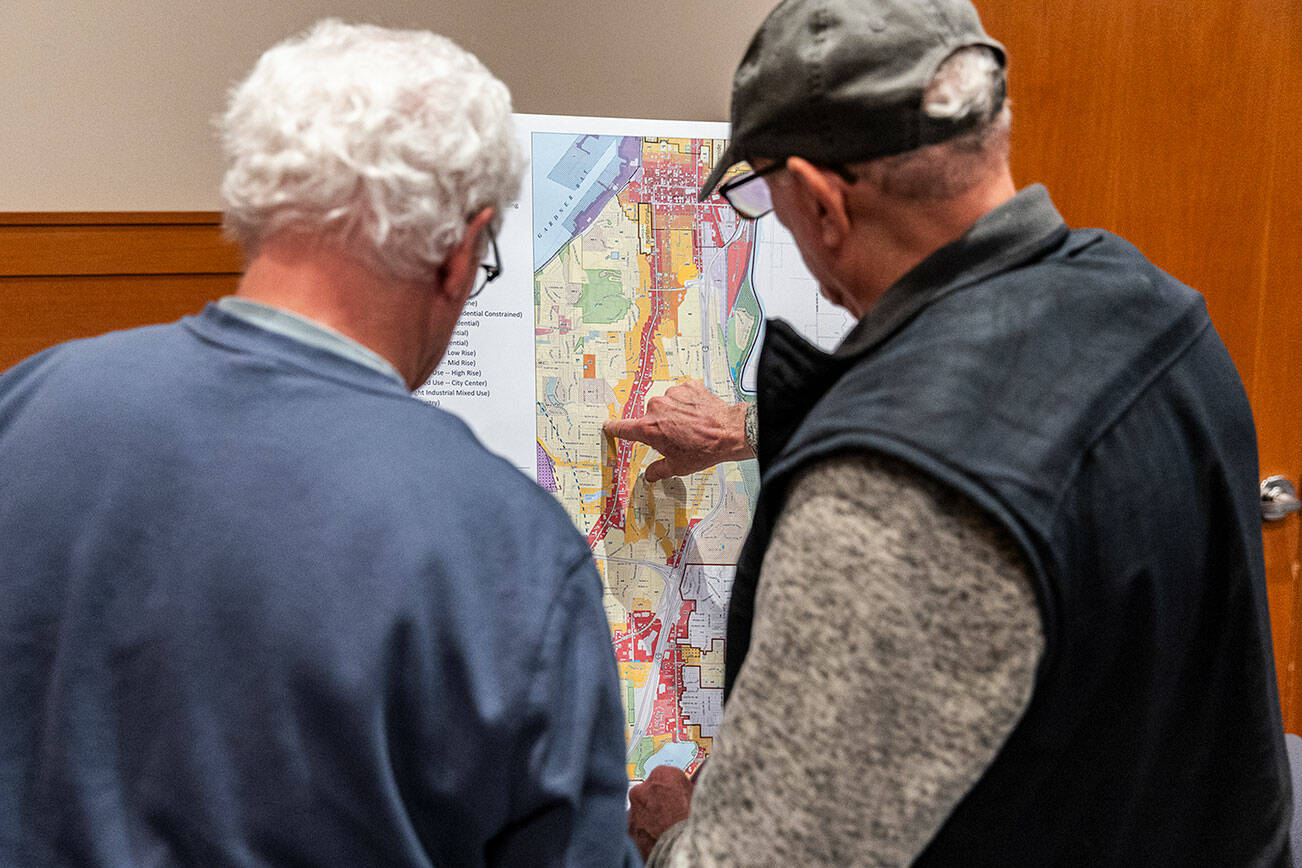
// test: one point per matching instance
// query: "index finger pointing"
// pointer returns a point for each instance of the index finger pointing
(625, 429)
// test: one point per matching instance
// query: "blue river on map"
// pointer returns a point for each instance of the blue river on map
(678, 754)
(570, 174)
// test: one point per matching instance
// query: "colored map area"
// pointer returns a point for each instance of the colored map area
(637, 286)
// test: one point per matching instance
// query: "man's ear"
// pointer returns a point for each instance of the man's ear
(827, 191)
(460, 268)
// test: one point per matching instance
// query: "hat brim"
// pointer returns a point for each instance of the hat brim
(731, 157)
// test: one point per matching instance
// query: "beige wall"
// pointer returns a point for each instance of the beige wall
(107, 104)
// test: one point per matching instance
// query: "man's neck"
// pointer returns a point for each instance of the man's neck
(327, 287)
(903, 234)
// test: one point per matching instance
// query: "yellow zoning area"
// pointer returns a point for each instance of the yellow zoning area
(635, 672)
(587, 370)
(659, 515)
(661, 370)
(591, 500)
(646, 236)
(672, 144)
(623, 388)
(659, 741)
(667, 543)
(694, 732)
(680, 251)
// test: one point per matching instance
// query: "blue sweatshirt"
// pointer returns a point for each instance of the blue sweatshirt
(262, 607)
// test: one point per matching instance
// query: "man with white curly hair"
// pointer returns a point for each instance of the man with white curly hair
(1002, 602)
(261, 607)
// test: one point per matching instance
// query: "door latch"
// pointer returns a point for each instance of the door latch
(1278, 498)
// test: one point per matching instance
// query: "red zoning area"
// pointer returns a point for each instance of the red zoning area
(667, 183)
(739, 260)
(665, 716)
(612, 515)
(637, 644)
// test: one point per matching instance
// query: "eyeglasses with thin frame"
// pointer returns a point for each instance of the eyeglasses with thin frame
(752, 201)
(492, 268)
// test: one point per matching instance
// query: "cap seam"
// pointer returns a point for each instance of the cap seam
(943, 18)
(820, 19)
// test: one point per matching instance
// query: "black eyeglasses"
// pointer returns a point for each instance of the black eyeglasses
(492, 269)
(752, 201)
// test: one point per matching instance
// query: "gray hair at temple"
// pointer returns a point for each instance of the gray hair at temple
(381, 143)
(970, 83)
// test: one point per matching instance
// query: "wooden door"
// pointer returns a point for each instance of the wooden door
(1176, 124)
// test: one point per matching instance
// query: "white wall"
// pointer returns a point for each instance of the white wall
(107, 104)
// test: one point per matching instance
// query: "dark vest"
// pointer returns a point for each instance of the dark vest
(1081, 397)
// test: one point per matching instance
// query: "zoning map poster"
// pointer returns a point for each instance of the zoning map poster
(616, 285)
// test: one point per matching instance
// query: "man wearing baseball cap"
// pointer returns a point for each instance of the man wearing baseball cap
(965, 629)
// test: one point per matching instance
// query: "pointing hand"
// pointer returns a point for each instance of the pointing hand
(691, 427)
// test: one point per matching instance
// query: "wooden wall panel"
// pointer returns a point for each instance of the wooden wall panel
(65, 276)
(41, 311)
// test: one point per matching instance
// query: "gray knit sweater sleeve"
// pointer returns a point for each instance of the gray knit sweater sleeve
(893, 650)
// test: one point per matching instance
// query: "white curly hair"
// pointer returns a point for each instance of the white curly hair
(380, 142)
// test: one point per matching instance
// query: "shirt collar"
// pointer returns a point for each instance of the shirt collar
(1018, 230)
(307, 331)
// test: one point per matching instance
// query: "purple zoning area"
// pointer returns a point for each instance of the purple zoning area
(581, 181)
(630, 160)
(546, 472)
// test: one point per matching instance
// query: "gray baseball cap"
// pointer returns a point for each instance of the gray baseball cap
(842, 81)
